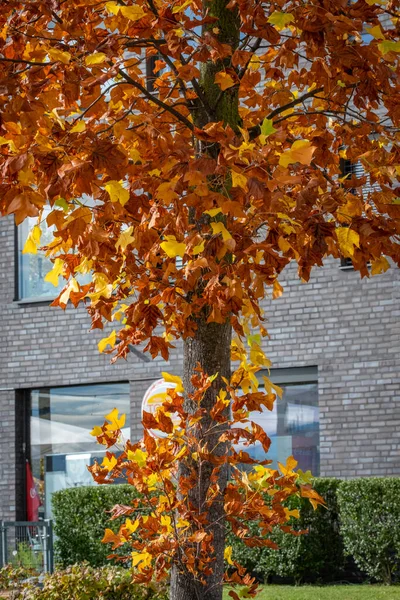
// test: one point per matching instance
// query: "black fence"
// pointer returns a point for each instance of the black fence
(27, 544)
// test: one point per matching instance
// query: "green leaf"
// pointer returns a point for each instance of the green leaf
(389, 46)
(267, 127)
(62, 204)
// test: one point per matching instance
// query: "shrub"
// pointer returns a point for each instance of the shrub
(83, 582)
(11, 577)
(370, 524)
(81, 517)
(315, 556)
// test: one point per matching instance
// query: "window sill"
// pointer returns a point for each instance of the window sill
(42, 301)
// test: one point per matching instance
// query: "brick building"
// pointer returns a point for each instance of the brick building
(335, 348)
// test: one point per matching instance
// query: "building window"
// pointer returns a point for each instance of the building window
(32, 268)
(60, 424)
(293, 425)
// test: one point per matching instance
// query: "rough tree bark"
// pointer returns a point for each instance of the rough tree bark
(210, 348)
(211, 345)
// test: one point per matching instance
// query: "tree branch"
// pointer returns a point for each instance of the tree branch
(156, 100)
(26, 62)
(256, 130)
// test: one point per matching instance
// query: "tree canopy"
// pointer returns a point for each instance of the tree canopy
(189, 151)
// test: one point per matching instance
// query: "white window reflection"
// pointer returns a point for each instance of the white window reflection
(61, 444)
(32, 268)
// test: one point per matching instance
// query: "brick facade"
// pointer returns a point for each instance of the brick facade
(349, 328)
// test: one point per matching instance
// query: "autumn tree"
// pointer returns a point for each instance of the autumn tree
(189, 150)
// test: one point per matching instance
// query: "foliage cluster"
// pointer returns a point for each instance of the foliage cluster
(370, 525)
(12, 576)
(83, 582)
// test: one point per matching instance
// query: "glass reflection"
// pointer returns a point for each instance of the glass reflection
(293, 426)
(61, 444)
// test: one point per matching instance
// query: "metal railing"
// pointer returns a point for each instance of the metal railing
(27, 544)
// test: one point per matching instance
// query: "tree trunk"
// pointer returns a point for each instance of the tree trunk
(210, 347)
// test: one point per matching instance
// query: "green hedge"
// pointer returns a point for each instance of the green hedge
(315, 556)
(370, 525)
(80, 516)
(367, 528)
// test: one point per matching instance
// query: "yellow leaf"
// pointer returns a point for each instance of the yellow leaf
(132, 526)
(113, 7)
(224, 80)
(272, 387)
(287, 469)
(115, 421)
(79, 127)
(108, 341)
(95, 59)
(96, 431)
(376, 32)
(134, 13)
(277, 289)
(59, 55)
(172, 248)
(177, 9)
(109, 463)
(33, 241)
(117, 192)
(348, 240)
(182, 523)
(220, 228)
(134, 154)
(280, 19)
(166, 522)
(53, 275)
(292, 513)
(255, 63)
(239, 180)
(228, 555)
(380, 265)
(214, 211)
(73, 286)
(125, 239)
(199, 248)
(301, 152)
(141, 560)
(174, 379)
(138, 456)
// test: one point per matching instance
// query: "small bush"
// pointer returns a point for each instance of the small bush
(370, 525)
(83, 582)
(315, 556)
(11, 577)
(81, 517)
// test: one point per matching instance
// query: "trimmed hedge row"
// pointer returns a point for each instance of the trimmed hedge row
(80, 518)
(360, 526)
(315, 556)
(370, 525)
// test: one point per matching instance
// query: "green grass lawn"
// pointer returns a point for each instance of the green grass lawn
(334, 592)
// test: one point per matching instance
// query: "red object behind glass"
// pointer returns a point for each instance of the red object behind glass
(32, 497)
